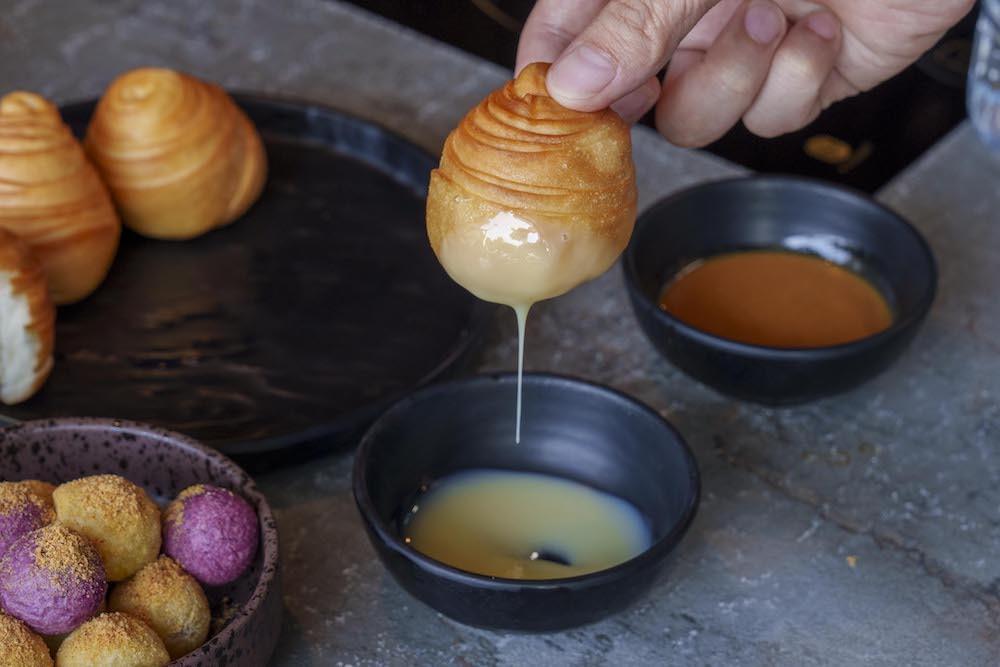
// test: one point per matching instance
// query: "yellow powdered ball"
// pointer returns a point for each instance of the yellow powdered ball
(113, 640)
(19, 646)
(117, 516)
(170, 601)
(43, 489)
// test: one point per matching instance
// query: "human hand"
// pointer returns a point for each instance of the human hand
(775, 64)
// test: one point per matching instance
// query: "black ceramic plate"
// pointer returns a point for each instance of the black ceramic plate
(295, 324)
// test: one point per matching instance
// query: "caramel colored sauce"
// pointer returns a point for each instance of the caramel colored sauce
(776, 298)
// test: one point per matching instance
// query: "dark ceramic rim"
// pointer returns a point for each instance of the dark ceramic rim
(655, 553)
(904, 321)
(247, 488)
(480, 316)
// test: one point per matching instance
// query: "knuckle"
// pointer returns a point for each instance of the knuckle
(765, 128)
(827, 98)
(733, 84)
(556, 31)
(769, 125)
(640, 27)
(684, 132)
(800, 71)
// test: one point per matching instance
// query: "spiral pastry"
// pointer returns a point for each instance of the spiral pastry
(27, 321)
(179, 157)
(531, 198)
(52, 198)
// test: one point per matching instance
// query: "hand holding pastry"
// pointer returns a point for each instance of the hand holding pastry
(178, 155)
(531, 198)
(774, 64)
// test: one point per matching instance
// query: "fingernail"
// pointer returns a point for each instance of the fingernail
(823, 24)
(763, 22)
(582, 73)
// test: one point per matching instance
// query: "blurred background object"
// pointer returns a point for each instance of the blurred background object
(862, 142)
(984, 75)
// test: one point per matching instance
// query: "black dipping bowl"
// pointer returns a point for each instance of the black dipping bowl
(761, 212)
(572, 430)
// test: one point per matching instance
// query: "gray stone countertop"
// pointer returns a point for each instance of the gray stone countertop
(858, 530)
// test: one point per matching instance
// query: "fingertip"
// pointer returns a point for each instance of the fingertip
(634, 106)
(824, 25)
(764, 21)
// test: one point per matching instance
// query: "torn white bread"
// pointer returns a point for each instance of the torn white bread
(27, 322)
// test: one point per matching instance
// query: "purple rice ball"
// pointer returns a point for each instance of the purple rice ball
(52, 579)
(212, 533)
(21, 511)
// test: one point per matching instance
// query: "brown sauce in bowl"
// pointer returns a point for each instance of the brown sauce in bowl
(776, 298)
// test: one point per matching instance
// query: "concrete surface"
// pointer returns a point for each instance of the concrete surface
(860, 530)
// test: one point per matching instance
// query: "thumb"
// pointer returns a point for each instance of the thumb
(627, 43)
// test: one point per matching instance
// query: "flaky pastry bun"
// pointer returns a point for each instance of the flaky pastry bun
(178, 155)
(531, 198)
(27, 321)
(51, 197)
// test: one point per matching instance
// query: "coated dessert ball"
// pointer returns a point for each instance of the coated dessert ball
(19, 646)
(52, 579)
(112, 640)
(212, 533)
(117, 516)
(21, 511)
(43, 489)
(170, 601)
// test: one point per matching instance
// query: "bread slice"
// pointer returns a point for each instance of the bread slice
(27, 322)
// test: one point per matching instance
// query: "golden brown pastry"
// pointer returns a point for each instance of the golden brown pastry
(178, 155)
(53, 199)
(531, 198)
(27, 321)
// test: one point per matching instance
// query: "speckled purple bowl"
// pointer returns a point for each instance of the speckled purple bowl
(164, 464)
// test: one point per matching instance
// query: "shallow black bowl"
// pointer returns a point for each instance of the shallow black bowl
(843, 226)
(571, 429)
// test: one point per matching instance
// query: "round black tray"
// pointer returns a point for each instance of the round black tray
(296, 324)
